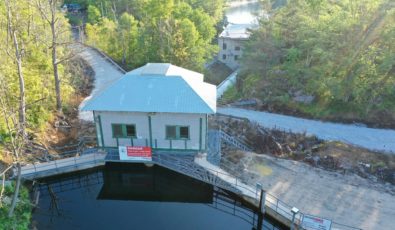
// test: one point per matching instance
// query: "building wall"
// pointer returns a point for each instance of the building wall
(230, 52)
(159, 121)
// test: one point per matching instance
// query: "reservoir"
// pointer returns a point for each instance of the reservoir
(244, 12)
(134, 196)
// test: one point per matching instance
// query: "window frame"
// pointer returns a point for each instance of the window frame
(224, 46)
(124, 130)
(237, 48)
(223, 56)
(178, 129)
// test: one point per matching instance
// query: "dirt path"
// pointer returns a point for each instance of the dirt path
(373, 139)
(346, 199)
(105, 75)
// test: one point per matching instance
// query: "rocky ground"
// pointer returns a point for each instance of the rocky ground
(348, 184)
(66, 128)
(331, 156)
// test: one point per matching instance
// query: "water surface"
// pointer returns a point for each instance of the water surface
(244, 13)
(132, 196)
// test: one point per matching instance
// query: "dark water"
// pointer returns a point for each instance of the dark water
(132, 196)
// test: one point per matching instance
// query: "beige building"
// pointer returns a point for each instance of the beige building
(231, 42)
(159, 105)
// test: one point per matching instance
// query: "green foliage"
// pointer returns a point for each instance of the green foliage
(23, 210)
(93, 14)
(179, 32)
(75, 20)
(34, 35)
(231, 94)
(340, 52)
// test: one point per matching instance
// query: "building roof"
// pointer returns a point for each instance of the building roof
(157, 87)
(237, 31)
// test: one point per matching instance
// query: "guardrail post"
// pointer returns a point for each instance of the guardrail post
(262, 201)
(294, 211)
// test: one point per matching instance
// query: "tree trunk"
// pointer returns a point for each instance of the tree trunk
(18, 59)
(16, 192)
(54, 56)
(22, 101)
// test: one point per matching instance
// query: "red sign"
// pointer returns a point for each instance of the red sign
(138, 151)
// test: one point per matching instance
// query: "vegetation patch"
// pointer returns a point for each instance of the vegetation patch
(326, 60)
(332, 156)
(23, 211)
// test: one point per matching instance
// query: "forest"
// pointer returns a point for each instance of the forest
(35, 81)
(136, 32)
(324, 59)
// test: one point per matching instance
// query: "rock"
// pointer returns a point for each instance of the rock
(305, 99)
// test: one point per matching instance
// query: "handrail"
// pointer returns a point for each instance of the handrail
(105, 56)
(5, 170)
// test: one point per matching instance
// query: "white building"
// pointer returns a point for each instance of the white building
(158, 105)
(231, 42)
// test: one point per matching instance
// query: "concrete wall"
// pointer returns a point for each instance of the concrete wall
(230, 52)
(159, 121)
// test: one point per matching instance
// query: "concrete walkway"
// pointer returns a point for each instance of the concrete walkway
(347, 199)
(373, 139)
(105, 75)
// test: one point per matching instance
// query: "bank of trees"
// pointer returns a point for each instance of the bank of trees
(340, 52)
(33, 52)
(136, 32)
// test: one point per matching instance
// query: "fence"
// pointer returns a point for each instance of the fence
(228, 182)
(65, 165)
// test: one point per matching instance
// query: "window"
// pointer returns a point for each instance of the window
(184, 132)
(177, 132)
(237, 48)
(171, 132)
(123, 130)
(236, 57)
(223, 56)
(117, 131)
(130, 130)
(224, 46)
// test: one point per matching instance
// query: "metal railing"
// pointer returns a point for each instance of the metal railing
(232, 183)
(234, 141)
(37, 170)
(78, 148)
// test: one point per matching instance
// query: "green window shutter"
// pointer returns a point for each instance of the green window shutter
(117, 130)
(171, 132)
(123, 130)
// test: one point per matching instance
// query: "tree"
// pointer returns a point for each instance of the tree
(338, 52)
(93, 14)
(15, 133)
(14, 33)
(128, 32)
(59, 28)
(166, 31)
